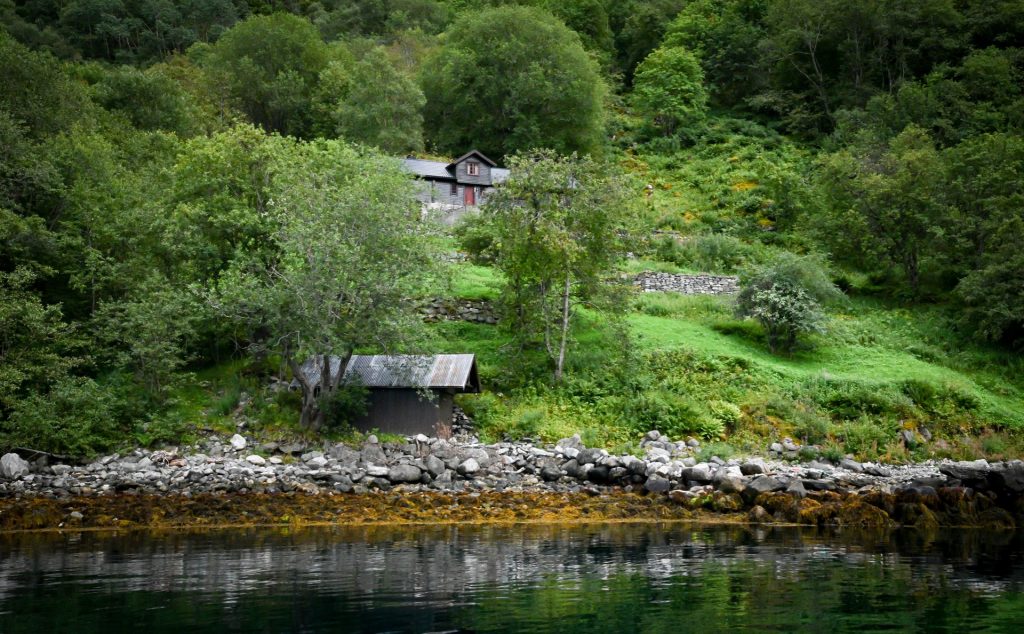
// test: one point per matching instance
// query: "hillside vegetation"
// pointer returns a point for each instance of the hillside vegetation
(194, 199)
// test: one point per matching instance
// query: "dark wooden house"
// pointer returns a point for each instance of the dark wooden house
(452, 188)
(409, 394)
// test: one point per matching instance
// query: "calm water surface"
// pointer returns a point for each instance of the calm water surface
(625, 578)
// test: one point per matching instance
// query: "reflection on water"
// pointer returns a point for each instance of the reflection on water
(612, 578)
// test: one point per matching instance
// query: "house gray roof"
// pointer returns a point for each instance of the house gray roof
(475, 153)
(429, 169)
(440, 371)
(446, 171)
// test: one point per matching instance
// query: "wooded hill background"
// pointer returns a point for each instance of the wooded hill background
(146, 146)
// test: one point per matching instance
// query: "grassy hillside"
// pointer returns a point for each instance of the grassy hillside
(881, 368)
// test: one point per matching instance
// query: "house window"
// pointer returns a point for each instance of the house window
(455, 189)
(473, 169)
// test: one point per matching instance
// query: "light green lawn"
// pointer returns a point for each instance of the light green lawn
(885, 360)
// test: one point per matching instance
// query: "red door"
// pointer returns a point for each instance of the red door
(470, 196)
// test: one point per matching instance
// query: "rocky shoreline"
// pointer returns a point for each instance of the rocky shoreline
(935, 493)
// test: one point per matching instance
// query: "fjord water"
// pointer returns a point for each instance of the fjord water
(599, 578)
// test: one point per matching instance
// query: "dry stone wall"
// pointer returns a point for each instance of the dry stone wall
(650, 282)
(476, 311)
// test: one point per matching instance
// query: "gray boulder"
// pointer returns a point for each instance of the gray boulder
(589, 456)
(404, 473)
(434, 465)
(371, 453)
(731, 483)
(572, 469)
(238, 442)
(574, 442)
(550, 473)
(469, 467)
(796, 489)
(698, 473)
(657, 484)
(1009, 477)
(762, 484)
(819, 484)
(971, 472)
(294, 448)
(657, 454)
(479, 455)
(344, 454)
(13, 466)
(851, 465)
(753, 467)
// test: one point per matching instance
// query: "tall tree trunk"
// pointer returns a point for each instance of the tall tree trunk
(565, 327)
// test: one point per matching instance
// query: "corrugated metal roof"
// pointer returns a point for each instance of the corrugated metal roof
(417, 371)
(433, 169)
(456, 371)
(499, 175)
(311, 368)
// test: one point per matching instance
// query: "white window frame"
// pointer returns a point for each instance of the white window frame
(473, 168)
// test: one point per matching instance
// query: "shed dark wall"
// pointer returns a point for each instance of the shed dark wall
(404, 411)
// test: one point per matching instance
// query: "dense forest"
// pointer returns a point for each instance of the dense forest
(196, 195)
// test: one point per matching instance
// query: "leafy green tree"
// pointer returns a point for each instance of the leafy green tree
(560, 226)
(888, 203)
(993, 294)
(268, 66)
(668, 88)
(589, 19)
(150, 99)
(512, 79)
(984, 235)
(350, 253)
(37, 93)
(220, 199)
(380, 107)
(787, 297)
(639, 27)
(824, 55)
(724, 35)
(35, 341)
(149, 331)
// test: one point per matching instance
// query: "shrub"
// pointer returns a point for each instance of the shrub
(78, 417)
(677, 415)
(867, 438)
(527, 425)
(711, 253)
(719, 253)
(721, 449)
(742, 328)
(476, 238)
(849, 400)
(725, 412)
(811, 425)
(786, 298)
(345, 405)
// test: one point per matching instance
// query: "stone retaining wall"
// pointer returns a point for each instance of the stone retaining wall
(477, 311)
(650, 281)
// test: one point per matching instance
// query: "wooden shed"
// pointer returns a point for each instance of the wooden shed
(409, 394)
